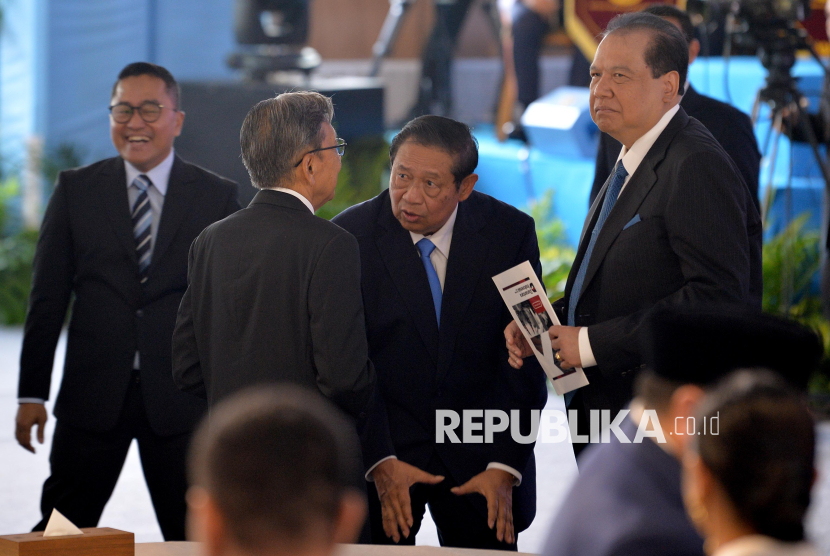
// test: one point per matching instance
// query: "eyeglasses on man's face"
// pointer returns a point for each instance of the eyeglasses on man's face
(340, 146)
(149, 111)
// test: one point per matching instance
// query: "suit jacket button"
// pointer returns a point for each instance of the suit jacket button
(139, 313)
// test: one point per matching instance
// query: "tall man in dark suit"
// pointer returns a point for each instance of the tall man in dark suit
(115, 235)
(429, 248)
(674, 225)
(274, 291)
(729, 126)
(627, 498)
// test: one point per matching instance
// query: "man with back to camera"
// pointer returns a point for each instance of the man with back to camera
(728, 125)
(429, 248)
(627, 498)
(271, 474)
(115, 236)
(274, 292)
(674, 224)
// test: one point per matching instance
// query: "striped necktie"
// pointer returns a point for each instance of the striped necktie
(611, 195)
(142, 226)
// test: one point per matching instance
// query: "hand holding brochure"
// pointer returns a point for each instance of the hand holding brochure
(524, 295)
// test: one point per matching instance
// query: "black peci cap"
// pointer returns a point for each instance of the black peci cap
(700, 345)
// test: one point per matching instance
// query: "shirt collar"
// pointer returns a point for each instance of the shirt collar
(296, 194)
(443, 237)
(633, 157)
(160, 175)
(760, 544)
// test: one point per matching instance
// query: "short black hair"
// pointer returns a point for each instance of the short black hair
(448, 135)
(277, 461)
(666, 10)
(146, 68)
(667, 49)
(763, 454)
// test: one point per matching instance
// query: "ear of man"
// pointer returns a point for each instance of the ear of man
(683, 404)
(671, 86)
(350, 517)
(466, 187)
(205, 522)
(694, 50)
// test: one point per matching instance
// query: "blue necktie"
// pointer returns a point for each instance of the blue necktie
(426, 247)
(142, 222)
(613, 192)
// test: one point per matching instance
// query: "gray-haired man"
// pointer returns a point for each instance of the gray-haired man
(274, 291)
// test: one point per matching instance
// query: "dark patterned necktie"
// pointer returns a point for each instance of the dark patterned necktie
(142, 226)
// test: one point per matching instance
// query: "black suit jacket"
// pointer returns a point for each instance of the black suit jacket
(625, 501)
(86, 249)
(684, 230)
(274, 295)
(464, 364)
(729, 126)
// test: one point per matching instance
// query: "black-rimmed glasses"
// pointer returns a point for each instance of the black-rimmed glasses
(149, 111)
(340, 146)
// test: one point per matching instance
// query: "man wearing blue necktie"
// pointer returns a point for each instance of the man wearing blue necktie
(429, 248)
(114, 241)
(674, 224)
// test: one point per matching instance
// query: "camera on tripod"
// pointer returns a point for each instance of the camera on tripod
(771, 29)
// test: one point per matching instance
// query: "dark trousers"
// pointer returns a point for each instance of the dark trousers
(460, 524)
(86, 465)
(529, 30)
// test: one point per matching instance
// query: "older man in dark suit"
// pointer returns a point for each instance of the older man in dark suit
(429, 248)
(274, 291)
(675, 224)
(728, 125)
(115, 236)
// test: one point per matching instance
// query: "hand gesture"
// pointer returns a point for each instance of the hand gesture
(496, 485)
(392, 480)
(565, 341)
(29, 415)
(517, 346)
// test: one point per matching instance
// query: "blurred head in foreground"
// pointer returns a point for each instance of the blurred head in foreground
(270, 471)
(688, 350)
(754, 476)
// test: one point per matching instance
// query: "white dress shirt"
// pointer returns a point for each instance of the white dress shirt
(760, 545)
(296, 194)
(631, 159)
(442, 239)
(160, 178)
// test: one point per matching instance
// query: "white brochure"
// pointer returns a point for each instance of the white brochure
(524, 295)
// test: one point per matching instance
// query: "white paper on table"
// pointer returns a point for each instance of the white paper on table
(525, 297)
(59, 526)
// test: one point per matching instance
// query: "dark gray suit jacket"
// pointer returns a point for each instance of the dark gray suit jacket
(684, 230)
(626, 501)
(274, 295)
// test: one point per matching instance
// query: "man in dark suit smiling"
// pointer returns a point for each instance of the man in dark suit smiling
(429, 248)
(115, 235)
(673, 225)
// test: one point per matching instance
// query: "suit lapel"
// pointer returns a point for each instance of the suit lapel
(632, 196)
(179, 197)
(400, 256)
(114, 191)
(468, 251)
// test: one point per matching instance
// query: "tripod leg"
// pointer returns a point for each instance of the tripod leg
(388, 33)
